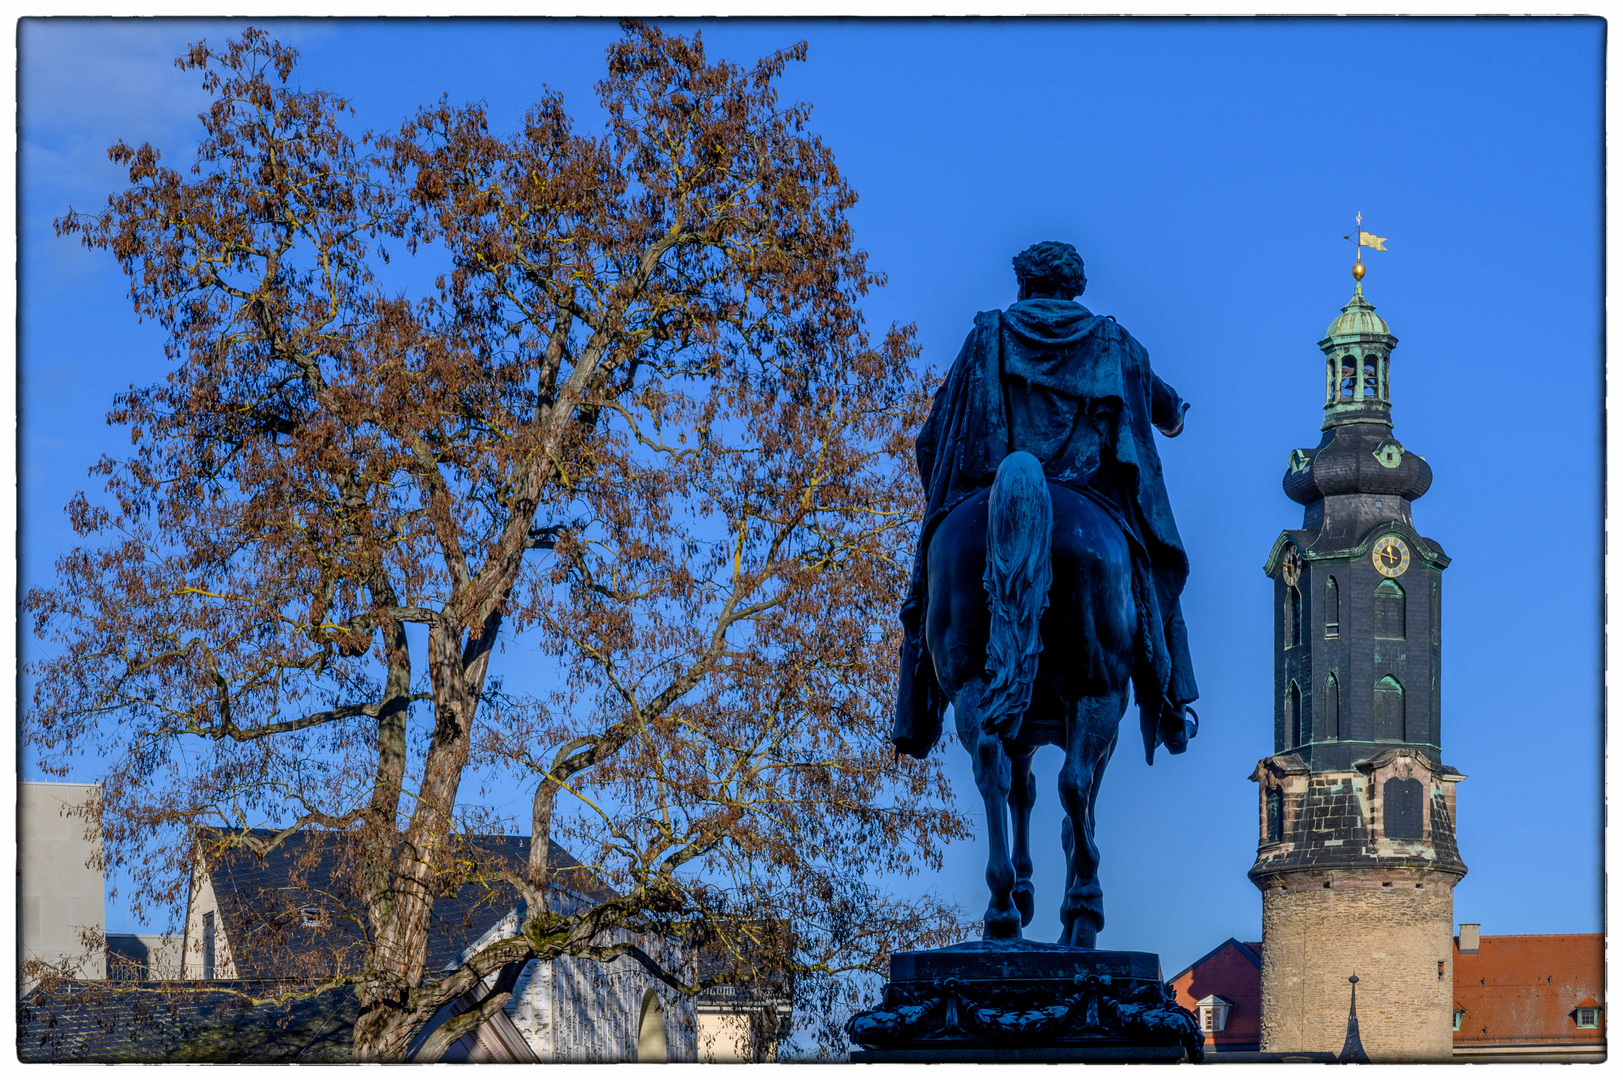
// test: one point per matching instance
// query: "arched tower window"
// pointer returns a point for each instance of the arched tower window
(1274, 815)
(1372, 377)
(1388, 710)
(1332, 609)
(1293, 715)
(1332, 708)
(1402, 805)
(1349, 377)
(1389, 620)
(1293, 616)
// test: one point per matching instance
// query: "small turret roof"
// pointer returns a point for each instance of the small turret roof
(1357, 318)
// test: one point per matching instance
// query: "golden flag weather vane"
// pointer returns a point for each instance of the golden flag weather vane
(1362, 240)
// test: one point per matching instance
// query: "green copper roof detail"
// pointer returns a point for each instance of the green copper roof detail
(1358, 319)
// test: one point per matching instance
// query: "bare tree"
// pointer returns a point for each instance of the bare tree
(637, 434)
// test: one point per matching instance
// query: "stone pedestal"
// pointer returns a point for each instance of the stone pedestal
(982, 1001)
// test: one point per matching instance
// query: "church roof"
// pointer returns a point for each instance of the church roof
(1357, 319)
(1523, 989)
(263, 902)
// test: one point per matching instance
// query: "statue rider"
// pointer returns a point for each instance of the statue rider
(1075, 390)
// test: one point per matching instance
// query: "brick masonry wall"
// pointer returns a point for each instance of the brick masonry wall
(1392, 936)
(1230, 975)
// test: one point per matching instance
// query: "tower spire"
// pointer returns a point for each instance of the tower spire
(1352, 1051)
(1356, 809)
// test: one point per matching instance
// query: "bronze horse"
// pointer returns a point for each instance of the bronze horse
(1020, 563)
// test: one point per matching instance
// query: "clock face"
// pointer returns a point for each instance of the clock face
(1292, 568)
(1391, 556)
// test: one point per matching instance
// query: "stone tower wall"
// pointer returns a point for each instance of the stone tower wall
(1392, 936)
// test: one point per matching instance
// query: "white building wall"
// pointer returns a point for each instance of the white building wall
(530, 1008)
(202, 903)
(60, 896)
(597, 1007)
(727, 1036)
(579, 1010)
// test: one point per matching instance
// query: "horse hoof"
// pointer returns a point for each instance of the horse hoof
(1001, 926)
(1023, 901)
(1078, 934)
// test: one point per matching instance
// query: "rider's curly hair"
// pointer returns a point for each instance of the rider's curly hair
(1051, 267)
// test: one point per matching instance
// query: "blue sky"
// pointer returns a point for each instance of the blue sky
(1207, 170)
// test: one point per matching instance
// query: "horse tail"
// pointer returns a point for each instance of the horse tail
(1019, 570)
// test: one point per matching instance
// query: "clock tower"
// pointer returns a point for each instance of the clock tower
(1356, 857)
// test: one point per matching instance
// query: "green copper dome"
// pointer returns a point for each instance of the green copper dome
(1357, 318)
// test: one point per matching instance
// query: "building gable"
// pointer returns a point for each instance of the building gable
(1226, 985)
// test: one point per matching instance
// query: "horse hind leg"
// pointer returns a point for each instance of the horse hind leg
(1022, 797)
(1094, 723)
(1067, 840)
(993, 776)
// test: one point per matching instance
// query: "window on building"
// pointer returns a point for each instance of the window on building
(1349, 377)
(1402, 807)
(1293, 616)
(1332, 609)
(208, 944)
(1214, 1013)
(1332, 708)
(1459, 1017)
(311, 916)
(1389, 610)
(1588, 1018)
(1274, 813)
(1388, 710)
(1372, 377)
(1293, 715)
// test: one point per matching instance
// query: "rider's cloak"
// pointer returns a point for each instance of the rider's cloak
(1085, 402)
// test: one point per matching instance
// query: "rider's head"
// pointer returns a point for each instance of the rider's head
(1050, 269)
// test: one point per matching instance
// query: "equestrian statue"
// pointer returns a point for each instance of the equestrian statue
(1048, 574)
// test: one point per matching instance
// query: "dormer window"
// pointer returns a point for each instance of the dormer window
(312, 917)
(1213, 1012)
(1459, 1017)
(1587, 1014)
(1402, 803)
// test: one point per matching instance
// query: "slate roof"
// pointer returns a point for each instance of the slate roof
(1522, 989)
(262, 903)
(114, 1023)
(1328, 831)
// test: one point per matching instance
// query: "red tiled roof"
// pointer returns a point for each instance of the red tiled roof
(1522, 989)
(1231, 971)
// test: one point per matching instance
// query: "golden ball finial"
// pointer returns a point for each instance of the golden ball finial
(1358, 271)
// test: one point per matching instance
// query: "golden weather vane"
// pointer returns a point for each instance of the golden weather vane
(1362, 240)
